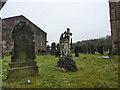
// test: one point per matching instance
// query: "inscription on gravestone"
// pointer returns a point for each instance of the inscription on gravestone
(22, 60)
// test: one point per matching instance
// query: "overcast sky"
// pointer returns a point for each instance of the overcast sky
(87, 19)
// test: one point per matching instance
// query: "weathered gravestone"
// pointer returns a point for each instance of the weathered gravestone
(101, 50)
(66, 62)
(80, 49)
(76, 51)
(22, 61)
(58, 50)
(88, 50)
(84, 51)
(53, 48)
(92, 49)
(47, 51)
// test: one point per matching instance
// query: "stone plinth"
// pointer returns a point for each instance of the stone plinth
(66, 64)
(22, 69)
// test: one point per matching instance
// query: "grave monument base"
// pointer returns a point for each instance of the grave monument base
(66, 63)
(22, 69)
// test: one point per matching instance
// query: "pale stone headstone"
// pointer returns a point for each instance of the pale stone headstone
(22, 60)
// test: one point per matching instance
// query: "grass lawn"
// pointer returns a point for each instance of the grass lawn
(92, 73)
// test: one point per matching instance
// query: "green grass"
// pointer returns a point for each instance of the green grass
(92, 73)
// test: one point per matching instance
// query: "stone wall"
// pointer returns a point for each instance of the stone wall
(115, 24)
(8, 24)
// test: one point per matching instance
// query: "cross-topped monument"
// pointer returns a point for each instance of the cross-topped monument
(66, 62)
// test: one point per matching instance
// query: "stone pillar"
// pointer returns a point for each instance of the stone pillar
(22, 60)
(115, 25)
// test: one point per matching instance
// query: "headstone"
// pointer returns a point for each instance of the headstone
(80, 49)
(101, 50)
(58, 50)
(66, 62)
(53, 48)
(92, 49)
(47, 51)
(22, 60)
(110, 49)
(98, 49)
(84, 51)
(76, 51)
(88, 50)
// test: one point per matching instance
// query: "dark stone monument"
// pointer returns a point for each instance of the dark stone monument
(47, 51)
(80, 49)
(84, 51)
(76, 51)
(92, 49)
(110, 49)
(53, 48)
(101, 50)
(22, 60)
(66, 62)
(98, 49)
(58, 50)
(88, 50)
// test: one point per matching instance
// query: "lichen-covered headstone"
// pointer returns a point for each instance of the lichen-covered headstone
(66, 62)
(22, 60)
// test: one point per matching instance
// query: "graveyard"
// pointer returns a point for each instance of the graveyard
(30, 60)
(92, 73)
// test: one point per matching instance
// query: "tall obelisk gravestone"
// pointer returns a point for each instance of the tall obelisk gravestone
(22, 61)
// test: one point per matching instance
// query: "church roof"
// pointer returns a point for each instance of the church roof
(114, 0)
(26, 19)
